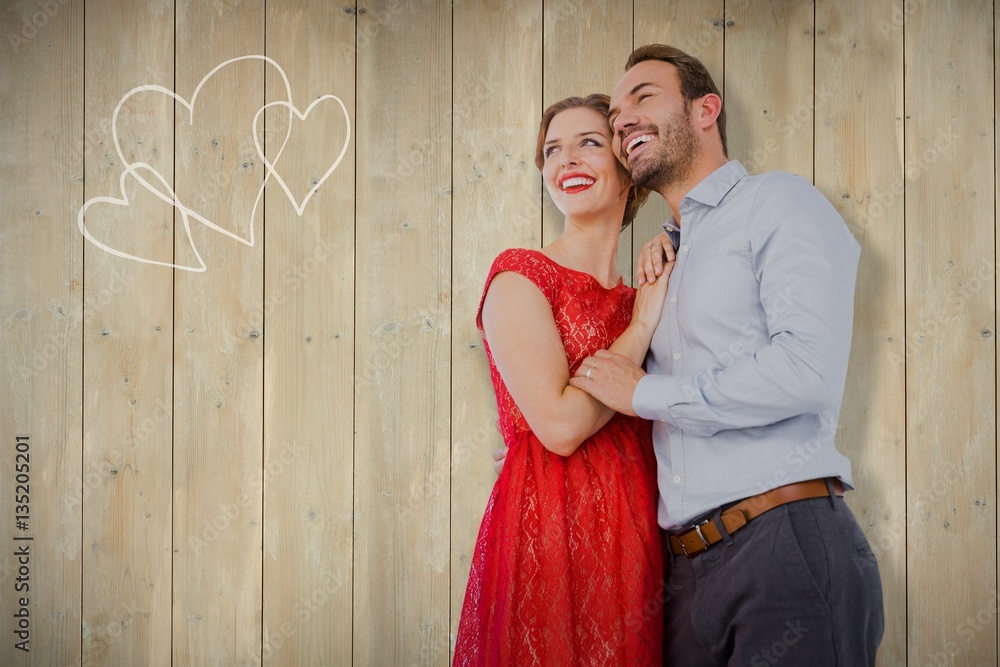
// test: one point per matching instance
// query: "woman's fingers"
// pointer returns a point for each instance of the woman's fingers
(652, 258)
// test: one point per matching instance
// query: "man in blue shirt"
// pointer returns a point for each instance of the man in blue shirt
(743, 382)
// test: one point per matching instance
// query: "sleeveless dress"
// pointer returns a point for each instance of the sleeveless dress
(567, 567)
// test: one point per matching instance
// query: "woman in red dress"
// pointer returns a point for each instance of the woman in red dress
(567, 567)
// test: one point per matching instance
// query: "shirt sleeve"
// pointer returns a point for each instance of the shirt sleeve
(803, 250)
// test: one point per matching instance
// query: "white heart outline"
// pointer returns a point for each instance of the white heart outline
(124, 201)
(299, 208)
(190, 107)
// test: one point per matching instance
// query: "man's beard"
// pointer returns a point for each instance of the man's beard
(676, 150)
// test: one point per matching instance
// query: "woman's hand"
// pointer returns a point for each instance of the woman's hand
(649, 299)
(652, 259)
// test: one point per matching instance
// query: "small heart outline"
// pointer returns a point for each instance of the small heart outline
(124, 201)
(299, 208)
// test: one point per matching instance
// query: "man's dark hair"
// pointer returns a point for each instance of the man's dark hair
(695, 80)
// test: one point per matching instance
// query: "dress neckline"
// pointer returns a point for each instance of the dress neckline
(621, 279)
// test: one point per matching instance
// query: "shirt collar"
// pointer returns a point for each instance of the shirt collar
(712, 190)
(717, 185)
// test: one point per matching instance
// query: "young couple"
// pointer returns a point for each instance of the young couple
(732, 544)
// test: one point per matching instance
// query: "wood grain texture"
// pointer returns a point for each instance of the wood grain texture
(308, 314)
(302, 472)
(128, 347)
(218, 358)
(770, 93)
(859, 134)
(497, 197)
(403, 324)
(584, 51)
(951, 343)
(41, 329)
(696, 27)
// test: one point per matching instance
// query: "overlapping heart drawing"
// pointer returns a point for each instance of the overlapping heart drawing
(146, 175)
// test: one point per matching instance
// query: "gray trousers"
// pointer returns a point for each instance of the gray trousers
(798, 585)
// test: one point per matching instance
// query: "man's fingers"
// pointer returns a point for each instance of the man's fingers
(499, 454)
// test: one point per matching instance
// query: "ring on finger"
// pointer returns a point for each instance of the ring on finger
(589, 369)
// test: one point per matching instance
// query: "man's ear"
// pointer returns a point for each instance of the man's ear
(708, 109)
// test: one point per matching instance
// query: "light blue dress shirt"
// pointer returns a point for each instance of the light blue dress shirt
(746, 368)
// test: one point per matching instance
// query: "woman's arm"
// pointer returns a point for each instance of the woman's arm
(529, 354)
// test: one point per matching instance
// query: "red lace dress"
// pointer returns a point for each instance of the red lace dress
(567, 567)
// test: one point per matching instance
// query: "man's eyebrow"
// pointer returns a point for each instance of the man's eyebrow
(613, 111)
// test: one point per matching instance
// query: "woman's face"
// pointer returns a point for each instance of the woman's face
(580, 171)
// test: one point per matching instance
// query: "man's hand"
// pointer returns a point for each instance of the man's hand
(612, 380)
(499, 455)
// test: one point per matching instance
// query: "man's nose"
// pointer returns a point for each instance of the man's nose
(624, 122)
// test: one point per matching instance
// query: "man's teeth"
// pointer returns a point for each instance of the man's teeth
(638, 140)
(574, 182)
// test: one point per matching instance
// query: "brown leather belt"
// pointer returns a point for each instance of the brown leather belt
(692, 541)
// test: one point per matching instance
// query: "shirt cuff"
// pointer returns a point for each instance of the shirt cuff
(654, 396)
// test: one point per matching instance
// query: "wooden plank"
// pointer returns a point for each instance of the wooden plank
(497, 195)
(951, 342)
(41, 311)
(697, 28)
(584, 52)
(309, 347)
(403, 324)
(769, 90)
(859, 134)
(128, 344)
(218, 359)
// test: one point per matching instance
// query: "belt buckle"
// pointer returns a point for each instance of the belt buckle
(697, 529)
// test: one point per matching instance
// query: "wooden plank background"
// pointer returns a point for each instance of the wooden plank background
(284, 459)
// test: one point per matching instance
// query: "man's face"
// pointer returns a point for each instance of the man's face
(654, 134)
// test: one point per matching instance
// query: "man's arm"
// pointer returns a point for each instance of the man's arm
(802, 249)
